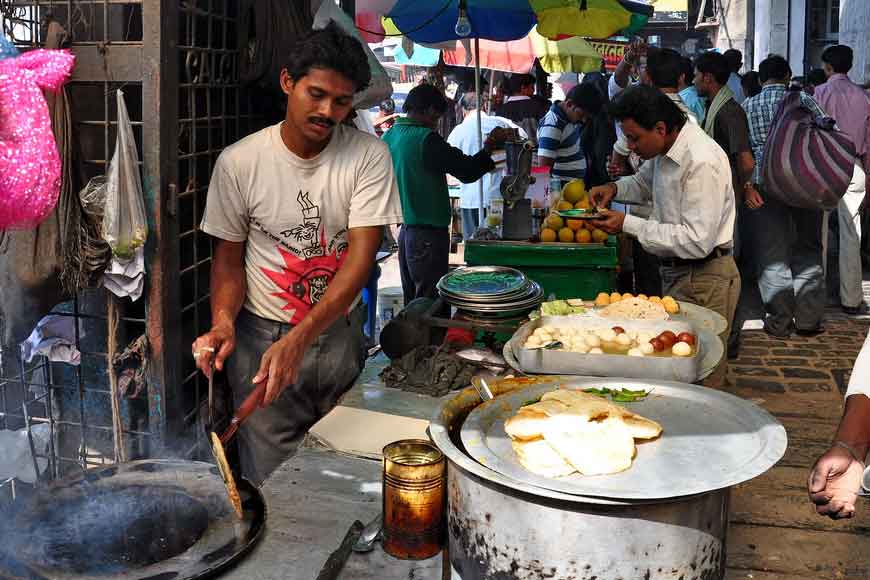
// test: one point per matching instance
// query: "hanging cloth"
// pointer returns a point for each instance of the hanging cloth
(7, 49)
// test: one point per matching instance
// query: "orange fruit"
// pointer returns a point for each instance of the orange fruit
(574, 190)
(566, 235)
(583, 236)
(555, 222)
(599, 236)
(548, 235)
(574, 224)
(583, 204)
(564, 205)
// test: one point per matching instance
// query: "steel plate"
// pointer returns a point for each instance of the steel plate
(530, 300)
(711, 440)
(523, 291)
(701, 318)
(471, 281)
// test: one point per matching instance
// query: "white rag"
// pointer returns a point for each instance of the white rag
(54, 337)
(126, 278)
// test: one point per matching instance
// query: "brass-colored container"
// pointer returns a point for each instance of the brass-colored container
(415, 484)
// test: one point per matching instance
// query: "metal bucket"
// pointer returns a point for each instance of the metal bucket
(500, 528)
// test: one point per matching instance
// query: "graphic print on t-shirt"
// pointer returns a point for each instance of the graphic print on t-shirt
(310, 262)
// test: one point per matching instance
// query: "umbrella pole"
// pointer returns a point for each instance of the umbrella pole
(481, 212)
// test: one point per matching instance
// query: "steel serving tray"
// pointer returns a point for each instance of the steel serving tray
(529, 300)
(681, 369)
(472, 281)
(711, 440)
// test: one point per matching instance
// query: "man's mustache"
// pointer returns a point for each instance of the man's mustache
(322, 121)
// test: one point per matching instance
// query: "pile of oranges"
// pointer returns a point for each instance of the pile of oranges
(557, 229)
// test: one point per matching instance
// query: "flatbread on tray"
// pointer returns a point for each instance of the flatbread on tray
(572, 431)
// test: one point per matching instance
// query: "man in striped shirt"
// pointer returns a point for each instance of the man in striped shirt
(559, 139)
(787, 241)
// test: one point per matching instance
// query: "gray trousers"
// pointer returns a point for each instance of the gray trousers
(329, 369)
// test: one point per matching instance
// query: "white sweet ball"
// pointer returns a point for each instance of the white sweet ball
(608, 335)
(579, 347)
(635, 352)
(682, 349)
(596, 351)
(624, 339)
(646, 348)
(592, 340)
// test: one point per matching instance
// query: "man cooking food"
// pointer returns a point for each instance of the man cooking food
(687, 177)
(422, 158)
(297, 212)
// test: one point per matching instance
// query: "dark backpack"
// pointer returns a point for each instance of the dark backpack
(808, 163)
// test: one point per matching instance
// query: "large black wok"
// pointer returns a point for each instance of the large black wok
(143, 520)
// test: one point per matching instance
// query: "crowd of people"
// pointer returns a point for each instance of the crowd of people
(670, 141)
(675, 148)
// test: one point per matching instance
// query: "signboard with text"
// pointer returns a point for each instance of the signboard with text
(610, 50)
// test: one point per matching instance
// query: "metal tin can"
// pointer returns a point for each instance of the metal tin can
(414, 499)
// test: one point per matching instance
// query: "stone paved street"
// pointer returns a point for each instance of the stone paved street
(775, 533)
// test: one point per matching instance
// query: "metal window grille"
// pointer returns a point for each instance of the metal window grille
(178, 65)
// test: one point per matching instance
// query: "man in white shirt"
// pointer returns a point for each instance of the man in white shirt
(297, 212)
(687, 177)
(835, 479)
(465, 138)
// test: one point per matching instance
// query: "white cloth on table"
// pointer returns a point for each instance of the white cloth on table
(692, 195)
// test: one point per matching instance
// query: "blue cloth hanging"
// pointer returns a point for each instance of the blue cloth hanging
(7, 49)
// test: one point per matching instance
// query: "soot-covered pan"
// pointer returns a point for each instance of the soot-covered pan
(143, 520)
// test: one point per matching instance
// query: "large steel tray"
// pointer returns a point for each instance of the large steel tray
(540, 361)
(711, 440)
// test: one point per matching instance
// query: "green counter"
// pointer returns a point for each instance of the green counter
(563, 270)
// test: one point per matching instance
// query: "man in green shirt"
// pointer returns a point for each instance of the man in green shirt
(421, 159)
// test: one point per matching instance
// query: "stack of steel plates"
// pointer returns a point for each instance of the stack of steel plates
(490, 291)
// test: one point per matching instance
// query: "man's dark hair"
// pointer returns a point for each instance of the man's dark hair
(330, 48)
(816, 77)
(664, 67)
(774, 67)
(715, 64)
(734, 58)
(688, 70)
(839, 57)
(586, 96)
(518, 82)
(647, 106)
(424, 97)
(750, 84)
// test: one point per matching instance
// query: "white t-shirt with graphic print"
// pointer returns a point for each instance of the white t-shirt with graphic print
(295, 213)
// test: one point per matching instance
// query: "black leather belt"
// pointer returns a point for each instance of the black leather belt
(676, 262)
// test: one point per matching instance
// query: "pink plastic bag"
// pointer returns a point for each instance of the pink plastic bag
(29, 161)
